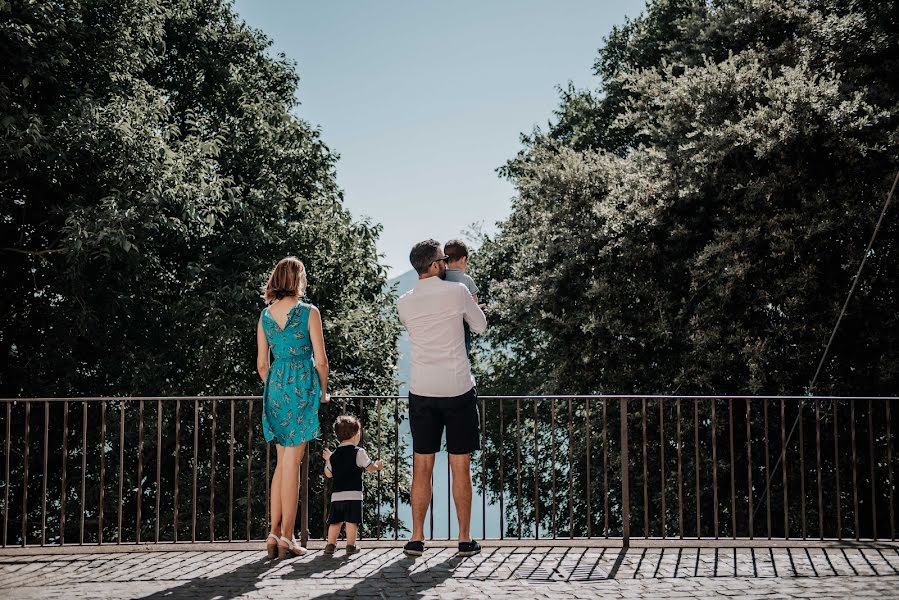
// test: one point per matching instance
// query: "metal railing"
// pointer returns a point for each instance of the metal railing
(98, 471)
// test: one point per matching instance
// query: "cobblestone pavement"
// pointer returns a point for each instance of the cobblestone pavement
(500, 572)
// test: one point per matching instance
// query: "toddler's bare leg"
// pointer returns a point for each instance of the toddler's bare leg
(351, 529)
(334, 531)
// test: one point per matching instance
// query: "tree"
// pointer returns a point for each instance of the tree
(152, 171)
(694, 225)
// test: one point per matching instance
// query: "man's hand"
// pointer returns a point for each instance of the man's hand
(326, 454)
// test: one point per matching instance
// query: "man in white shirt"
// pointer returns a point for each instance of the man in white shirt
(442, 390)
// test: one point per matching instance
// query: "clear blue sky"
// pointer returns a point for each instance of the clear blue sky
(424, 99)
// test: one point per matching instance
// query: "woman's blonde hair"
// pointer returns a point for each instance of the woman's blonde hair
(287, 279)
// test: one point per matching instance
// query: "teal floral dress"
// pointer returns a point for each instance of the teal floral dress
(292, 389)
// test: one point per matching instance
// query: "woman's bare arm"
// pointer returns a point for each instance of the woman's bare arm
(318, 350)
(262, 365)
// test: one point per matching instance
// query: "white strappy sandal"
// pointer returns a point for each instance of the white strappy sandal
(271, 545)
(293, 547)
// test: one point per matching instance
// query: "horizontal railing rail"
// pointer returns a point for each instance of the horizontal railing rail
(126, 470)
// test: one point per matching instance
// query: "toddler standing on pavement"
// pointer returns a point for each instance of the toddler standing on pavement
(345, 466)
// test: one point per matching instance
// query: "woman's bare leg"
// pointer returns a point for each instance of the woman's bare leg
(276, 493)
(289, 463)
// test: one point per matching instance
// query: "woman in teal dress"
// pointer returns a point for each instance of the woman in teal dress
(296, 383)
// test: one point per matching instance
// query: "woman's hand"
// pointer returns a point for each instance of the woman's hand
(326, 398)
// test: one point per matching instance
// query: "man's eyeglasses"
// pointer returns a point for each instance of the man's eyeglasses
(444, 258)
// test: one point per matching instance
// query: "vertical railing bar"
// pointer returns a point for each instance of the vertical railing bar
(8, 447)
(140, 453)
(304, 503)
(518, 460)
(212, 476)
(680, 475)
(818, 469)
(625, 479)
(871, 462)
(483, 468)
(449, 502)
(552, 437)
(231, 480)
(325, 496)
(83, 469)
(378, 479)
(158, 466)
(102, 471)
(749, 493)
(121, 481)
(396, 469)
(537, 476)
(431, 509)
(588, 443)
(570, 472)
(250, 470)
(854, 469)
(696, 466)
(645, 473)
(783, 470)
(890, 471)
(502, 484)
(714, 467)
(175, 499)
(662, 461)
(605, 469)
(25, 475)
(768, 476)
(836, 456)
(193, 474)
(44, 474)
(733, 486)
(802, 468)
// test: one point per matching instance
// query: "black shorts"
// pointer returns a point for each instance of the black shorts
(428, 415)
(345, 511)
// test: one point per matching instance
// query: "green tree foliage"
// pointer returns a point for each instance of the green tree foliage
(152, 171)
(693, 226)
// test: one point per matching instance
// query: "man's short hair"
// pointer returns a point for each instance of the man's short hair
(423, 254)
(456, 250)
(345, 427)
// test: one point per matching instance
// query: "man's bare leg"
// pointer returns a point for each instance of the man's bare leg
(460, 465)
(422, 471)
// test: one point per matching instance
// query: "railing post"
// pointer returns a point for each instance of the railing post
(304, 502)
(625, 481)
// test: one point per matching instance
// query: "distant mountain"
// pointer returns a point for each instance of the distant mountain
(403, 283)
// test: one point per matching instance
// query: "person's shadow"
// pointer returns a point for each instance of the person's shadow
(240, 580)
(395, 576)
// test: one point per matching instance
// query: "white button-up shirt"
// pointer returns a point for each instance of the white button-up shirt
(433, 313)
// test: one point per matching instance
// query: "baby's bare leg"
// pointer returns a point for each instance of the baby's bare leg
(351, 529)
(334, 531)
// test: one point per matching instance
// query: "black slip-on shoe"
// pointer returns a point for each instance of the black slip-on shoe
(469, 548)
(415, 548)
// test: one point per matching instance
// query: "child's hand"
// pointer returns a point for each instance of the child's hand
(326, 454)
(378, 464)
